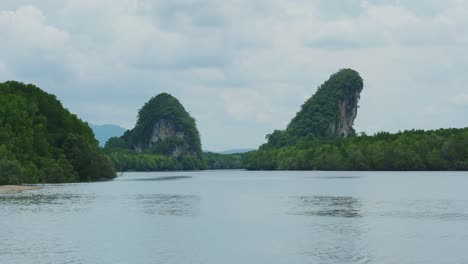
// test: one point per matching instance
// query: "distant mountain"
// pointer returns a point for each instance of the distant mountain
(235, 151)
(104, 132)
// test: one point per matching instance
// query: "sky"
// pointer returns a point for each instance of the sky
(242, 68)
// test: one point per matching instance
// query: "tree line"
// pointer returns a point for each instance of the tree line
(442, 149)
(128, 160)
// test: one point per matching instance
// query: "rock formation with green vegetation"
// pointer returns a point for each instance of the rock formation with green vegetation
(42, 142)
(165, 138)
(329, 113)
(321, 137)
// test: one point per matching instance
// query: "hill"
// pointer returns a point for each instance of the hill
(42, 142)
(321, 137)
(329, 113)
(164, 131)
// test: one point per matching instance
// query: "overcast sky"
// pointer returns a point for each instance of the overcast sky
(242, 68)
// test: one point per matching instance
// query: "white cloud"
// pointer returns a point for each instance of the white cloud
(461, 99)
(242, 68)
(247, 105)
(31, 47)
(25, 28)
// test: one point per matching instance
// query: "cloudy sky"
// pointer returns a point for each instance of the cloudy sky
(242, 68)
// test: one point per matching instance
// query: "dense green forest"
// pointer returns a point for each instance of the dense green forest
(443, 149)
(41, 141)
(128, 160)
(216, 161)
(165, 138)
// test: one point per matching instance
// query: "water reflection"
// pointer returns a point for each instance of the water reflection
(334, 254)
(241, 217)
(340, 177)
(334, 206)
(46, 201)
(338, 226)
(454, 210)
(170, 204)
(167, 178)
(37, 199)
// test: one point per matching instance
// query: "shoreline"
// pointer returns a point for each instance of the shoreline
(13, 189)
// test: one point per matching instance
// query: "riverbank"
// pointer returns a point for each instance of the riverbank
(12, 189)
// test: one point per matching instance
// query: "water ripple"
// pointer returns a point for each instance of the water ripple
(332, 206)
(170, 204)
(455, 210)
(168, 178)
(46, 201)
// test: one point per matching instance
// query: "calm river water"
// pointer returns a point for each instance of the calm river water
(223, 217)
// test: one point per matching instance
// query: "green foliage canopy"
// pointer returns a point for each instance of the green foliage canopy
(443, 149)
(38, 137)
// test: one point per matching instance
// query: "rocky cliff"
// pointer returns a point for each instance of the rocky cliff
(164, 127)
(348, 108)
(330, 112)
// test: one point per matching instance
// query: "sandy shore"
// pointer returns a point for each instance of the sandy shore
(12, 189)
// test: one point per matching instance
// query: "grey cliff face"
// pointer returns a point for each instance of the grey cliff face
(348, 107)
(163, 130)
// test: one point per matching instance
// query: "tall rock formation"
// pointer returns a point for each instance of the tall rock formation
(330, 112)
(164, 127)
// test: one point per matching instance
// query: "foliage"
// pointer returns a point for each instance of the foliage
(136, 151)
(217, 161)
(34, 132)
(443, 149)
(129, 160)
(321, 112)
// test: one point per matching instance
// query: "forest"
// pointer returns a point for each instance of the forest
(41, 141)
(127, 160)
(442, 149)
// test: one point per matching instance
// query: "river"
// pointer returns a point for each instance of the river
(223, 217)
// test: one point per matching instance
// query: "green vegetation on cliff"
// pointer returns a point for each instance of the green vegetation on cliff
(165, 138)
(42, 142)
(321, 137)
(329, 113)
